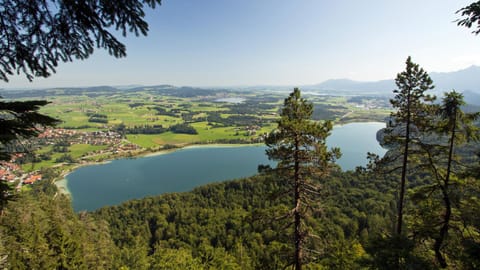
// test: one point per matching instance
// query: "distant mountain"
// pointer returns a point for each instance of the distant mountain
(463, 80)
(346, 85)
(472, 97)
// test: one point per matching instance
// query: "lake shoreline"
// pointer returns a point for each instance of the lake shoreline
(62, 182)
(183, 170)
(343, 133)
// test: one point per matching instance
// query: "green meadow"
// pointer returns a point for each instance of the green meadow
(140, 108)
(216, 116)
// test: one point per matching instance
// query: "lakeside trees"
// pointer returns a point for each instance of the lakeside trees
(299, 146)
(432, 140)
(40, 231)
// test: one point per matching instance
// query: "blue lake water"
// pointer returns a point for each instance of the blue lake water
(355, 140)
(234, 100)
(100, 185)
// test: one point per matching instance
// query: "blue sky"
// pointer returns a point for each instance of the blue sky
(278, 42)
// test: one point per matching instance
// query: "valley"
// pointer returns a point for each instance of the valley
(104, 123)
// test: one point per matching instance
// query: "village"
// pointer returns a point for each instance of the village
(12, 172)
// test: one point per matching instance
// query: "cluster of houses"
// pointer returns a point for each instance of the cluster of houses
(31, 178)
(7, 171)
(50, 136)
(252, 130)
(57, 133)
(12, 173)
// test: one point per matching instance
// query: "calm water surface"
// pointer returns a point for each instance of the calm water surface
(95, 186)
(355, 140)
(234, 100)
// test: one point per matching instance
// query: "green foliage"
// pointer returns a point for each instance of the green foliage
(175, 259)
(328, 112)
(41, 231)
(7, 193)
(395, 252)
(19, 120)
(183, 129)
(155, 129)
(411, 99)
(238, 218)
(97, 118)
(3, 254)
(299, 146)
(436, 147)
(228, 225)
(163, 111)
(412, 109)
(239, 225)
(471, 14)
(65, 158)
(48, 32)
(438, 202)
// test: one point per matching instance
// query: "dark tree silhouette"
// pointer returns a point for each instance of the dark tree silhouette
(471, 17)
(36, 35)
(18, 120)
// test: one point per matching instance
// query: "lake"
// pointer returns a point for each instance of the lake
(92, 187)
(234, 100)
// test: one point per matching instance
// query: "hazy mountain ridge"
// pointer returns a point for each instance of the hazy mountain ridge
(462, 80)
(466, 81)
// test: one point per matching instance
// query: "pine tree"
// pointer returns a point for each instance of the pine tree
(471, 16)
(37, 35)
(410, 102)
(298, 144)
(455, 128)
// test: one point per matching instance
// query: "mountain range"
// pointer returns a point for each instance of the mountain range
(465, 80)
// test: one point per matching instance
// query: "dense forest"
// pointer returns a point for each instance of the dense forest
(227, 225)
(231, 225)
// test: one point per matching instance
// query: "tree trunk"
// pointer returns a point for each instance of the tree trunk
(443, 230)
(404, 170)
(298, 233)
(446, 200)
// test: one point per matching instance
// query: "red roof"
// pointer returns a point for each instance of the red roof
(32, 179)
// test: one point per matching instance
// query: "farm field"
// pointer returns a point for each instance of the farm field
(163, 117)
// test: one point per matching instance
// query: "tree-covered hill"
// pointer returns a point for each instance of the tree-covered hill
(230, 225)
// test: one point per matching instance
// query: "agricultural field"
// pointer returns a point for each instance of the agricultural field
(161, 117)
